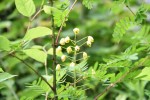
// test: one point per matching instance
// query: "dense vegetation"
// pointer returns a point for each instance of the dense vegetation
(74, 49)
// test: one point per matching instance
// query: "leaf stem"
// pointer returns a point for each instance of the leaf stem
(130, 9)
(74, 60)
(13, 92)
(54, 53)
(46, 73)
(120, 79)
(32, 18)
(33, 70)
(60, 29)
(36, 14)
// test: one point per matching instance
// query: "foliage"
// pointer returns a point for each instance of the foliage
(88, 3)
(45, 54)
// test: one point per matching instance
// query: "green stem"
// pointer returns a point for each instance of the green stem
(46, 73)
(33, 70)
(13, 92)
(81, 39)
(120, 79)
(74, 60)
(130, 9)
(54, 53)
(64, 20)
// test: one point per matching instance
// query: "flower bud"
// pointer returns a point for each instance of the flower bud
(90, 38)
(62, 41)
(77, 48)
(88, 43)
(58, 67)
(76, 30)
(93, 72)
(67, 39)
(69, 50)
(58, 49)
(72, 64)
(85, 55)
(63, 58)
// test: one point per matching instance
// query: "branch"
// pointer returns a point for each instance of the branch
(119, 80)
(60, 29)
(33, 70)
(38, 12)
(54, 53)
(130, 9)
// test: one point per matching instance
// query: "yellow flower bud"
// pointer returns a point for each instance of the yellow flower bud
(90, 38)
(63, 58)
(76, 30)
(93, 72)
(58, 49)
(72, 64)
(85, 55)
(88, 43)
(62, 41)
(69, 50)
(58, 67)
(77, 48)
(67, 39)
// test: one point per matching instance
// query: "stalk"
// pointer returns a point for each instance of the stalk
(75, 53)
(54, 53)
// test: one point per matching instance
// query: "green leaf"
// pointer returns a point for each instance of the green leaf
(121, 28)
(59, 16)
(50, 51)
(89, 3)
(147, 92)
(25, 7)
(36, 54)
(145, 72)
(4, 76)
(133, 56)
(37, 32)
(62, 5)
(1, 70)
(47, 9)
(37, 88)
(141, 14)
(4, 43)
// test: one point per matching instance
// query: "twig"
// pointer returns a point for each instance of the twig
(33, 70)
(31, 19)
(46, 73)
(56, 42)
(13, 92)
(54, 53)
(119, 80)
(130, 9)
(36, 14)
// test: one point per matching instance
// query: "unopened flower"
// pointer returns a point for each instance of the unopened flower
(63, 58)
(58, 67)
(76, 30)
(69, 50)
(58, 49)
(62, 41)
(88, 43)
(72, 64)
(67, 39)
(77, 48)
(93, 72)
(85, 55)
(90, 38)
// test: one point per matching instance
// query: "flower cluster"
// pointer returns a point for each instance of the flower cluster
(74, 48)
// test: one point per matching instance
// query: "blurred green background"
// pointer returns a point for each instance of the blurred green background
(98, 22)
